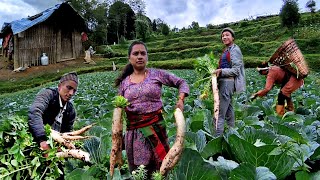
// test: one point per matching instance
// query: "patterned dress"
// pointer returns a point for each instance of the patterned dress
(146, 138)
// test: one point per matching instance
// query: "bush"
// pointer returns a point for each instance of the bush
(244, 23)
(179, 46)
(313, 62)
(122, 41)
(108, 52)
(249, 48)
(309, 46)
(184, 54)
(253, 62)
(173, 64)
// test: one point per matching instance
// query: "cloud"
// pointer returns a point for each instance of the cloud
(42, 4)
(211, 11)
(14, 10)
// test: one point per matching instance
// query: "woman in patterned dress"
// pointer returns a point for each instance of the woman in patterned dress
(146, 140)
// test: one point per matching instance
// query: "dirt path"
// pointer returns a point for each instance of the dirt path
(6, 71)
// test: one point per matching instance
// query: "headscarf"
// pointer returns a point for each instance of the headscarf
(69, 76)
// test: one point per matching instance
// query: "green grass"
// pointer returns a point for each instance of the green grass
(257, 38)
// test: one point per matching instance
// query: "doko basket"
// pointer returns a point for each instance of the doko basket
(289, 57)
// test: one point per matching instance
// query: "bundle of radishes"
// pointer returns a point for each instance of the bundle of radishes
(66, 140)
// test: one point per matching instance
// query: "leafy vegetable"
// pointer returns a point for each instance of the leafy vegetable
(205, 67)
(120, 101)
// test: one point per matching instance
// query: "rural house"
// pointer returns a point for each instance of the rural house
(56, 31)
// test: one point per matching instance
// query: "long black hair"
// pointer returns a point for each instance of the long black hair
(128, 69)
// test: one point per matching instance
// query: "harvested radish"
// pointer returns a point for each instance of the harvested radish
(75, 153)
(117, 129)
(205, 67)
(174, 154)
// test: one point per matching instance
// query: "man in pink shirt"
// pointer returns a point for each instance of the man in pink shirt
(288, 81)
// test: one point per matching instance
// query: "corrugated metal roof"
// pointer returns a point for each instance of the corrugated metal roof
(23, 24)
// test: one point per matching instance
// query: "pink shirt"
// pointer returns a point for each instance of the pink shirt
(145, 97)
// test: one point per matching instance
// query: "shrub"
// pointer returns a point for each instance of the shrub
(122, 41)
(108, 52)
(244, 23)
(313, 62)
(309, 45)
(100, 49)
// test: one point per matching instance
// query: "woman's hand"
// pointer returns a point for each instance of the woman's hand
(253, 96)
(180, 104)
(217, 72)
(259, 93)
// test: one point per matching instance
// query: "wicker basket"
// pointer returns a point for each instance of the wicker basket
(287, 54)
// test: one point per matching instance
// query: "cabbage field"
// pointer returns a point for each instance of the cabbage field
(261, 146)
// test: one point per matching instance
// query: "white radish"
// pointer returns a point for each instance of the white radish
(175, 151)
(80, 131)
(74, 153)
(58, 138)
(116, 149)
(216, 101)
(73, 138)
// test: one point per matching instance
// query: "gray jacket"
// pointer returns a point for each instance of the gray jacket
(43, 111)
(237, 68)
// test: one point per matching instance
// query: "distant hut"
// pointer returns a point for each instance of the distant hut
(55, 31)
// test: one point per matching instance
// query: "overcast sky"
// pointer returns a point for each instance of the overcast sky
(179, 13)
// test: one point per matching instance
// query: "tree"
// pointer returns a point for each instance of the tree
(138, 6)
(154, 25)
(165, 29)
(210, 26)
(100, 31)
(142, 27)
(175, 29)
(95, 16)
(121, 22)
(194, 25)
(311, 5)
(157, 25)
(289, 13)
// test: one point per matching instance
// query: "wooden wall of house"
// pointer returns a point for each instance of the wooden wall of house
(78, 51)
(32, 43)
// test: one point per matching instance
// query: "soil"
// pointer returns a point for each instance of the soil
(7, 73)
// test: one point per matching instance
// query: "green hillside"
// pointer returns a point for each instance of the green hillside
(257, 38)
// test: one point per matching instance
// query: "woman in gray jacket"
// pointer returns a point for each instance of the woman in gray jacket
(231, 78)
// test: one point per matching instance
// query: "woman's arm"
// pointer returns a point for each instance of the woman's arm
(269, 84)
(172, 80)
